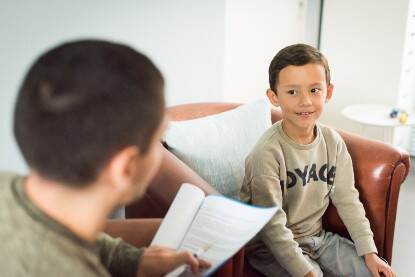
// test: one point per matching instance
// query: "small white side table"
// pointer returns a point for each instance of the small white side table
(378, 116)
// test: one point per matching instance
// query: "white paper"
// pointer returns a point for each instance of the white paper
(179, 216)
(222, 227)
(213, 227)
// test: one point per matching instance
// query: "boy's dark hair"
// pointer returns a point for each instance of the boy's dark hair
(298, 55)
(82, 102)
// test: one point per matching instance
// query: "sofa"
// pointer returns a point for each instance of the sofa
(379, 169)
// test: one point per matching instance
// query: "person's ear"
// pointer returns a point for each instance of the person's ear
(123, 168)
(329, 92)
(273, 98)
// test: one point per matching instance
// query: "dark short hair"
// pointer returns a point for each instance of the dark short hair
(82, 102)
(296, 54)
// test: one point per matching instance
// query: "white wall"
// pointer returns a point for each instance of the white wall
(208, 51)
(363, 41)
(185, 38)
(254, 32)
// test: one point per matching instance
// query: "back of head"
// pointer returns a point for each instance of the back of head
(82, 102)
(297, 55)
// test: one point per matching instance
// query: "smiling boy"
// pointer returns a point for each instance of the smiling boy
(299, 165)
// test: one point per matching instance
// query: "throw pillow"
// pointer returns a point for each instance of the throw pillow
(216, 146)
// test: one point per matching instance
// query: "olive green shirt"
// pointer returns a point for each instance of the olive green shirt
(33, 244)
(302, 179)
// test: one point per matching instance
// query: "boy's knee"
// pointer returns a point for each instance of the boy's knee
(341, 258)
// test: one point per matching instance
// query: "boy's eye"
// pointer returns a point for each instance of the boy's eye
(292, 92)
(315, 90)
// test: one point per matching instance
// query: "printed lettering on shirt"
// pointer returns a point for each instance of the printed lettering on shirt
(303, 176)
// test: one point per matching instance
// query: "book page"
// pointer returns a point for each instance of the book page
(179, 216)
(221, 227)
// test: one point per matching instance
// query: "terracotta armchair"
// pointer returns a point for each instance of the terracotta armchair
(379, 170)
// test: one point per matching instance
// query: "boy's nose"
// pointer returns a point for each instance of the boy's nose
(305, 100)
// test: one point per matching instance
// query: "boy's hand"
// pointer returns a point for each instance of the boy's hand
(310, 274)
(376, 266)
(158, 261)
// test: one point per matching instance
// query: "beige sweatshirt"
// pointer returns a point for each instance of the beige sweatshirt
(301, 179)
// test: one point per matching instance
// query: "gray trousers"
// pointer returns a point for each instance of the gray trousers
(330, 255)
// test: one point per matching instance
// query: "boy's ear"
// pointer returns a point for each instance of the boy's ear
(122, 168)
(273, 98)
(329, 92)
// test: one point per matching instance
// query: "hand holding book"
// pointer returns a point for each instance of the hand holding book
(212, 227)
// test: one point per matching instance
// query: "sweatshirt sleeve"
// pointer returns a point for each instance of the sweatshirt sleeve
(345, 198)
(119, 257)
(265, 190)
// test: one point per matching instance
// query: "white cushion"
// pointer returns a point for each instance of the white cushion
(216, 146)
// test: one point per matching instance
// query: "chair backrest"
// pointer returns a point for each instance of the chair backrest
(379, 170)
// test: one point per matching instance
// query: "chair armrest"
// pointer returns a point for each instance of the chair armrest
(379, 171)
(138, 232)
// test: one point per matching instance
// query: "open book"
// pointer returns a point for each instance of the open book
(213, 227)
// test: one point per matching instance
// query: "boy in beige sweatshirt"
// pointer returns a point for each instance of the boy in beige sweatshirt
(299, 164)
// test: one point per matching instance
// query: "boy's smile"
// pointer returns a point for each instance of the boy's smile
(301, 92)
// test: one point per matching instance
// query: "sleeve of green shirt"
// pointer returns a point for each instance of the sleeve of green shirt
(345, 198)
(119, 257)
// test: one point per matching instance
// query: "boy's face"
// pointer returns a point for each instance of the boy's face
(301, 93)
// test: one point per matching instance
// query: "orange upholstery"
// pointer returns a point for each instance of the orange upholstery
(379, 170)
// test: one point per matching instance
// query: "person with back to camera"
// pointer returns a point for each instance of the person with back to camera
(88, 120)
(299, 164)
